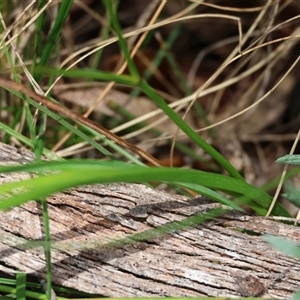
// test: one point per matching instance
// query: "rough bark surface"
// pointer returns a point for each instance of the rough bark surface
(216, 258)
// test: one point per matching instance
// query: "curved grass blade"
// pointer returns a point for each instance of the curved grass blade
(148, 90)
(75, 173)
(105, 76)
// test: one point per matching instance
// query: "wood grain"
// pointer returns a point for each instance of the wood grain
(214, 259)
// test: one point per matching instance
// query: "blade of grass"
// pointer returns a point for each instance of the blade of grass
(103, 37)
(98, 75)
(188, 151)
(54, 34)
(11, 85)
(11, 63)
(189, 131)
(34, 285)
(211, 194)
(38, 33)
(29, 294)
(21, 286)
(285, 246)
(65, 124)
(112, 12)
(161, 54)
(30, 121)
(178, 74)
(27, 141)
(182, 81)
(89, 74)
(274, 183)
(74, 173)
(162, 104)
(16, 119)
(38, 149)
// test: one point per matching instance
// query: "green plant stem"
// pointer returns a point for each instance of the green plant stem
(144, 86)
(188, 130)
(54, 34)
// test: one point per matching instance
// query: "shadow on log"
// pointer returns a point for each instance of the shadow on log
(217, 258)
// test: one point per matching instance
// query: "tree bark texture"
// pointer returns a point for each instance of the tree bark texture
(225, 256)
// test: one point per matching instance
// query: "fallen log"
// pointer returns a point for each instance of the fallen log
(224, 256)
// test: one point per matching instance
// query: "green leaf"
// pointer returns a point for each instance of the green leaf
(292, 195)
(21, 286)
(290, 159)
(149, 91)
(285, 246)
(296, 296)
(64, 175)
(54, 34)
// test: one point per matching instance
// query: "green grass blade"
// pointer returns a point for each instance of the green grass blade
(289, 159)
(162, 104)
(292, 193)
(27, 141)
(296, 296)
(273, 183)
(21, 286)
(38, 33)
(17, 114)
(91, 75)
(54, 34)
(285, 246)
(38, 149)
(211, 194)
(30, 122)
(157, 60)
(75, 173)
(188, 130)
(29, 294)
(66, 124)
(123, 45)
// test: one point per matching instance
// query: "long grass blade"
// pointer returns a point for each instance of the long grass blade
(89, 172)
(54, 34)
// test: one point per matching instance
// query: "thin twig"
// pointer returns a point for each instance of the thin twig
(77, 117)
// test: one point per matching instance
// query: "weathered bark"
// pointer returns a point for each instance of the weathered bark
(215, 258)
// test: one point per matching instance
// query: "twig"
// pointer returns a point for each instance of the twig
(8, 84)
